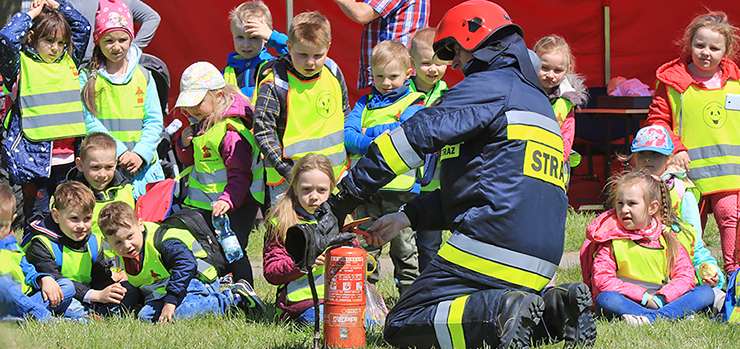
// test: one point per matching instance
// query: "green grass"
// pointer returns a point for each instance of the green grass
(236, 331)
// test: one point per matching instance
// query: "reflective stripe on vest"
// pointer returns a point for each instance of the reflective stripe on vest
(230, 75)
(397, 151)
(497, 262)
(50, 102)
(209, 177)
(388, 115)
(637, 264)
(300, 290)
(448, 326)
(561, 107)
(543, 158)
(315, 119)
(10, 263)
(75, 265)
(121, 107)
(153, 276)
(710, 134)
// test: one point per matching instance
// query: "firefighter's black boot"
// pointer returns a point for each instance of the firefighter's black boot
(519, 313)
(567, 316)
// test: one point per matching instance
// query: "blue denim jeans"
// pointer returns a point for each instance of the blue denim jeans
(614, 304)
(14, 302)
(427, 243)
(201, 298)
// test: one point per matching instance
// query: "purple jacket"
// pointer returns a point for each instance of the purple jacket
(237, 155)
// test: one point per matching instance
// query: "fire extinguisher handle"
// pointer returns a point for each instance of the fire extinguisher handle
(375, 265)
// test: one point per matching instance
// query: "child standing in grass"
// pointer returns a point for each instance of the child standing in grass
(640, 270)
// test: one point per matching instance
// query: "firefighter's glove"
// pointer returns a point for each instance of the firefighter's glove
(306, 241)
(344, 201)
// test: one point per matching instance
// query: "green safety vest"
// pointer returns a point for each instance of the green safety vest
(388, 115)
(116, 194)
(49, 95)
(208, 176)
(153, 277)
(710, 134)
(430, 98)
(74, 265)
(10, 263)
(315, 120)
(121, 107)
(562, 107)
(637, 264)
(230, 75)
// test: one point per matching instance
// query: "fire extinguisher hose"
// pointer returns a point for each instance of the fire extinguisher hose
(316, 310)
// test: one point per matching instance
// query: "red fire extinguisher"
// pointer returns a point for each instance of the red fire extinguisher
(344, 297)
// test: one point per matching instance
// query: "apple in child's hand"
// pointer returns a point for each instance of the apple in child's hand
(707, 271)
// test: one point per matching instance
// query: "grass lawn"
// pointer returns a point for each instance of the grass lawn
(236, 331)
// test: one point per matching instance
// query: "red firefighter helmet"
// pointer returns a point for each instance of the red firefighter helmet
(469, 24)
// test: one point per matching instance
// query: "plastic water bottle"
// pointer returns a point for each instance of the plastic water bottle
(227, 238)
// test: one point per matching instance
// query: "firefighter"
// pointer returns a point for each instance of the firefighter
(502, 195)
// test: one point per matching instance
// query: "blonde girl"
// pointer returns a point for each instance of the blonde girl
(689, 102)
(219, 148)
(312, 181)
(123, 95)
(640, 271)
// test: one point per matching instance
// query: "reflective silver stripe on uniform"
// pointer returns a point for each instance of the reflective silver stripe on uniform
(46, 120)
(714, 151)
(502, 256)
(216, 177)
(529, 118)
(298, 285)
(404, 149)
(644, 284)
(316, 144)
(150, 291)
(122, 125)
(440, 325)
(50, 98)
(196, 194)
(196, 247)
(719, 170)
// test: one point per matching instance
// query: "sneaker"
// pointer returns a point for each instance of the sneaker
(519, 313)
(635, 320)
(250, 303)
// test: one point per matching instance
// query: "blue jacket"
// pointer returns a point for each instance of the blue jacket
(245, 69)
(29, 271)
(485, 194)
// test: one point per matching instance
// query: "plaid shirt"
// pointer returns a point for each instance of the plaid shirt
(399, 20)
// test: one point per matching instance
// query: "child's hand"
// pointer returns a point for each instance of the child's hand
(258, 28)
(651, 304)
(712, 281)
(130, 161)
(53, 4)
(111, 294)
(220, 207)
(51, 291)
(186, 137)
(36, 7)
(119, 276)
(168, 311)
(320, 260)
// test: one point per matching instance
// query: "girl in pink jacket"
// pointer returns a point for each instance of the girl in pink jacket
(640, 270)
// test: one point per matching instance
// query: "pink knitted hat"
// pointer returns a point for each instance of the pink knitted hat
(112, 15)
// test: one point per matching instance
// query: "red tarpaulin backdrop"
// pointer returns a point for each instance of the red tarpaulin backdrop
(643, 33)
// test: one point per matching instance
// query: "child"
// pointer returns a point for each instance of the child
(563, 86)
(302, 99)
(40, 52)
(689, 102)
(428, 80)
(174, 283)
(220, 147)
(640, 270)
(391, 103)
(311, 183)
(251, 27)
(123, 95)
(23, 290)
(61, 245)
(96, 168)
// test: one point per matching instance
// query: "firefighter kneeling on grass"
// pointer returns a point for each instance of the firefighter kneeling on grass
(502, 194)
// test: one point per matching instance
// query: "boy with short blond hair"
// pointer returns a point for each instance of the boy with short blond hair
(161, 263)
(314, 86)
(392, 102)
(427, 80)
(23, 290)
(251, 29)
(62, 245)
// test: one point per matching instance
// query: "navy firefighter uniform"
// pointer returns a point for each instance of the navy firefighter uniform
(502, 194)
